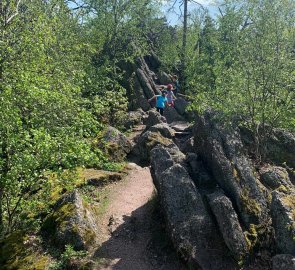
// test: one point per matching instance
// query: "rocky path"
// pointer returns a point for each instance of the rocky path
(132, 231)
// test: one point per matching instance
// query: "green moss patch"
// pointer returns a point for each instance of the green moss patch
(283, 189)
(259, 236)
(58, 219)
(20, 251)
(236, 175)
(250, 205)
(70, 224)
(156, 138)
(100, 177)
(251, 236)
(289, 201)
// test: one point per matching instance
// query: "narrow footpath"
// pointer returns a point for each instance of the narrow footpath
(133, 236)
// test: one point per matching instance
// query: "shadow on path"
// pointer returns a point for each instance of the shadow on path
(138, 242)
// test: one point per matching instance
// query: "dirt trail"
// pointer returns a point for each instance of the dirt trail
(132, 231)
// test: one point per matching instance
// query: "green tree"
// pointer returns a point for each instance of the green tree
(117, 32)
(254, 65)
(201, 73)
(43, 123)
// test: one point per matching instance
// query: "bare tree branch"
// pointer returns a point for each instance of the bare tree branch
(220, 11)
(202, 7)
(79, 7)
(246, 23)
(172, 7)
(15, 14)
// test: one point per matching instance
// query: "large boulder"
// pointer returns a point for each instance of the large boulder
(146, 142)
(274, 177)
(71, 223)
(164, 129)
(163, 77)
(169, 155)
(228, 224)
(180, 104)
(283, 216)
(145, 77)
(134, 118)
(176, 154)
(160, 161)
(138, 99)
(154, 118)
(283, 262)
(187, 146)
(279, 147)
(189, 225)
(116, 144)
(172, 115)
(152, 61)
(222, 150)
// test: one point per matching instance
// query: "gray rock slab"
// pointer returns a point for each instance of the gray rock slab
(71, 223)
(164, 129)
(283, 262)
(223, 152)
(273, 177)
(154, 118)
(283, 217)
(228, 224)
(189, 225)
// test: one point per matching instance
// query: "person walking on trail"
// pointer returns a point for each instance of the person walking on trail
(161, 101)
(170, 95)
(175, 83)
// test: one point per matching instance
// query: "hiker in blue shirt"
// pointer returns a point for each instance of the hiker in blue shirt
(161, 101)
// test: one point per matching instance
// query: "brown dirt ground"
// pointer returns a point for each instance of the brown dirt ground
(132, 236)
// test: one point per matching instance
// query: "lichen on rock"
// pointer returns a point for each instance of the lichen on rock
(71, 223)
(283, 216)
(147, 142)
(115, 144)
(228, 224)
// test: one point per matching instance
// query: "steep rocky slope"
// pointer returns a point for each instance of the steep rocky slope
(223, 209)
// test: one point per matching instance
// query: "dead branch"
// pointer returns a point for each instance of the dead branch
(202, 7)
(15, 14)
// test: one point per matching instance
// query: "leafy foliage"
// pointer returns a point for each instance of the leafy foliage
(245, 68)
(66, 257)
(60, 84)
(45, 125)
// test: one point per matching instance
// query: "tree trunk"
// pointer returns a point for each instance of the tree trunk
(183, 53)
(1, 211)
(4, 170)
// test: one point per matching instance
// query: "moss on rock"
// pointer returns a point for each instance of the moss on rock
(259, 236)
(114, 143)
(156, 138)
(72, 223)
(250, 205)
(251, 236)
(20, 251)
(289, 201)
